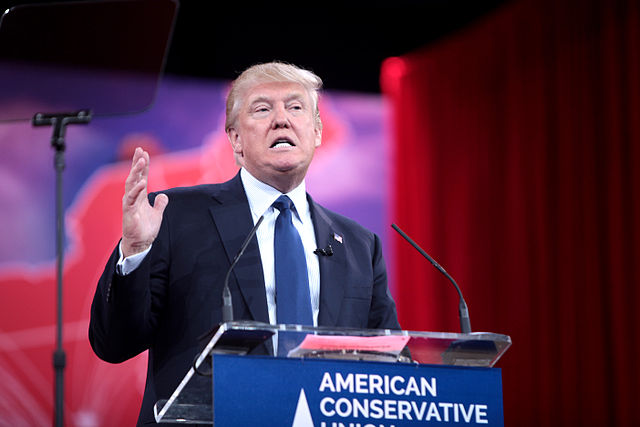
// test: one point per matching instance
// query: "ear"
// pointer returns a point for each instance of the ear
(234, 139)
(318, 138)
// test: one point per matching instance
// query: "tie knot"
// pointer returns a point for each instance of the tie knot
(283, 202)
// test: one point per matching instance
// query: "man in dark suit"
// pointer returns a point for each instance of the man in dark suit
(162, 286)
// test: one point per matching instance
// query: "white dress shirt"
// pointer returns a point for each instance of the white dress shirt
(261, 196)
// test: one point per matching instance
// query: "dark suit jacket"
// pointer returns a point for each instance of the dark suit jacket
(175, 296)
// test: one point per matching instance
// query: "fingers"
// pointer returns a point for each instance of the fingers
(138, 154)
(145, 168)
(134, 194)
(139, 170)
(160, 203)
(135, 186)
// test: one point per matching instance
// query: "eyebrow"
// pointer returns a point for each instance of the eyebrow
(292, 97)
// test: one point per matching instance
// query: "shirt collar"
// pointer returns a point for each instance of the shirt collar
(261, 196)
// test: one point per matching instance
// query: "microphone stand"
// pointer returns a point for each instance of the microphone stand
(59, 123)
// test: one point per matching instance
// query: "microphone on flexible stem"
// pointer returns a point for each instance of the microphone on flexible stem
(463, 310)
(227, 305)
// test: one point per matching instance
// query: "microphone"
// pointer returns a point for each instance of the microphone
(328, 251)
(463, 310)
(227, 305)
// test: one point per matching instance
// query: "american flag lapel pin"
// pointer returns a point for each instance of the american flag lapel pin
(337, 237)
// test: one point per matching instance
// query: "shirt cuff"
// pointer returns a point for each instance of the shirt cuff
(130, 263)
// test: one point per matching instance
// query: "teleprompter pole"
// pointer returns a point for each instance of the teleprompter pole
(59, 123)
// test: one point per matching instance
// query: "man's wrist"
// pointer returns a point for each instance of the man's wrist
(127, 264)
(129, 249)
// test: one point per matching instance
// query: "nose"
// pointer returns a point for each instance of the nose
(280, 118)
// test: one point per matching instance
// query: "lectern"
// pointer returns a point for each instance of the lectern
(340, 377)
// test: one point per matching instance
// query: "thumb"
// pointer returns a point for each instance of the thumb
(160, 203)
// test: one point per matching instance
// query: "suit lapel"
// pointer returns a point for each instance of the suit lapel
(332, 268)
(233, 222)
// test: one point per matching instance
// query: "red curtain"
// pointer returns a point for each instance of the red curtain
(518, 168)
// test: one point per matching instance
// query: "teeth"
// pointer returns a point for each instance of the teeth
(282, 143)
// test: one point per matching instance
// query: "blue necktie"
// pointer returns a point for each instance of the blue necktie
(293, 303)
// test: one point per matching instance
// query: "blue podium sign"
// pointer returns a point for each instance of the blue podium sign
(262, 391)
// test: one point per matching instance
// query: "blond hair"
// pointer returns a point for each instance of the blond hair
(271, 72)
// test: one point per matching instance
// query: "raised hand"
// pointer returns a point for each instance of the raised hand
(140, 220)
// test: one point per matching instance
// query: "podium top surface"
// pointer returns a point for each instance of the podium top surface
(192, 400)
(439, 348)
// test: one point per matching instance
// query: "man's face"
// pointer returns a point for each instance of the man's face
(275, 135)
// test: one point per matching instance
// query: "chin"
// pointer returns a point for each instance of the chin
(287, 166)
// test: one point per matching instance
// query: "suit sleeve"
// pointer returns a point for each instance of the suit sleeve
(126, 309)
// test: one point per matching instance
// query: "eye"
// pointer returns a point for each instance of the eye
(260, 110)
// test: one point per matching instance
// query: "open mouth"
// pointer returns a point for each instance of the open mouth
(282, 142)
